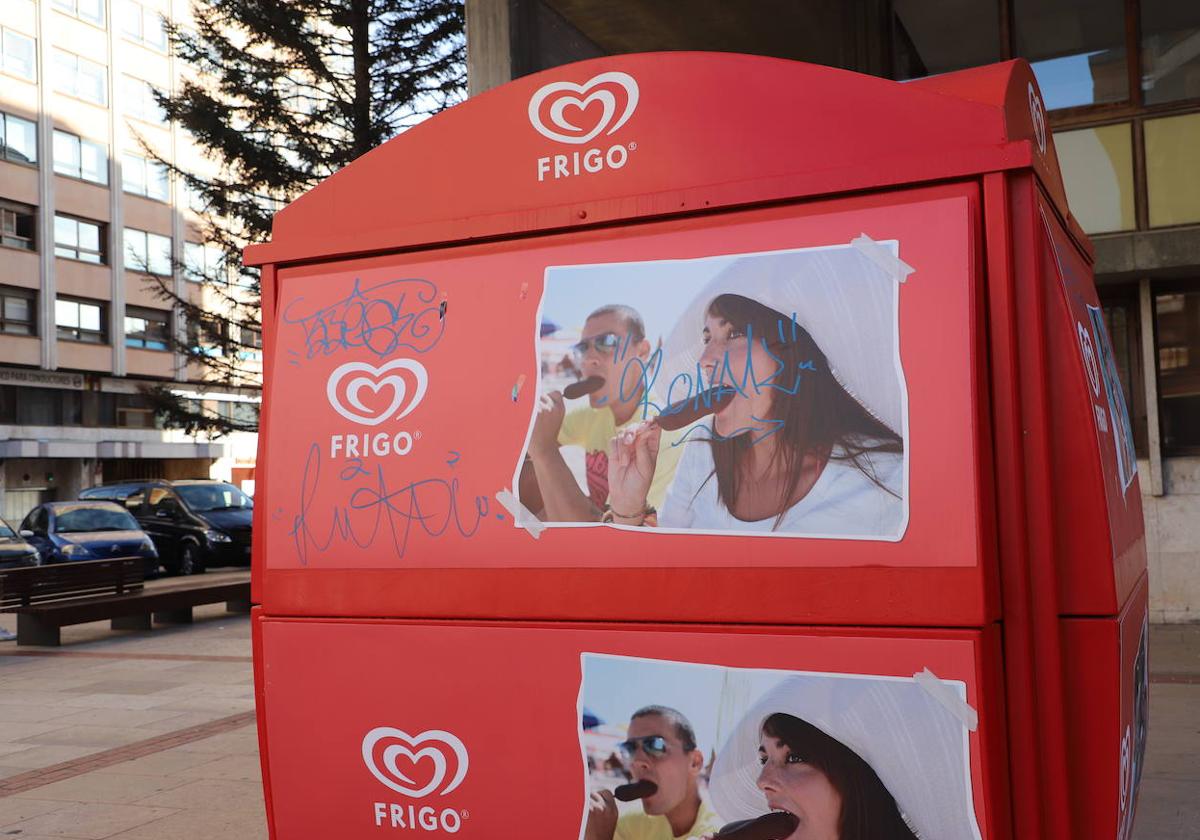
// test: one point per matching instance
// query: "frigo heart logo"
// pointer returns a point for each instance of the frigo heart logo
(347, 386)
(392, 755)
(563, 111)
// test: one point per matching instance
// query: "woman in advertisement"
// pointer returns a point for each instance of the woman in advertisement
(848, 759)
(795, 355)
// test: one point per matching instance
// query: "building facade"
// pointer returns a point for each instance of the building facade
(1121, 82)
(90, 227)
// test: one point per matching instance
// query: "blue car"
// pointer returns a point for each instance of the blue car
(67, 531)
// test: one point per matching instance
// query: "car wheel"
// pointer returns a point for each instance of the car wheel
(190, 561)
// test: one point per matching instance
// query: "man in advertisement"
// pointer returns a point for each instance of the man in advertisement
(614, 350)
(661, 748)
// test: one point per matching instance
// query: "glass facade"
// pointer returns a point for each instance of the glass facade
(1173, 168)
(1097, 166)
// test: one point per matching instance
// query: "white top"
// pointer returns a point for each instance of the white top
(842, 503)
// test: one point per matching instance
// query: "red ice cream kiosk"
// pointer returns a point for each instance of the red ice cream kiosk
(852, 449)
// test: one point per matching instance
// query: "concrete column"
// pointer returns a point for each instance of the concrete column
(116, 205)
(1150, 380)
(45, 218)
(489, 44)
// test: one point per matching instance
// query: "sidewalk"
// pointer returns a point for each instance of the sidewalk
(136, 735)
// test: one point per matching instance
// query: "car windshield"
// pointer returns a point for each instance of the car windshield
(6, 531)
(206, 497)
(78, 520)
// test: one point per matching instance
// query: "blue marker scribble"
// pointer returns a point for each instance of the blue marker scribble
(382, 319)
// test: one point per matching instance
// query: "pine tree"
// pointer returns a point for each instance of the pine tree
(284, 93)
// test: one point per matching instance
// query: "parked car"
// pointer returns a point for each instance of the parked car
(87, 530)
(14, 550)
(194, 524)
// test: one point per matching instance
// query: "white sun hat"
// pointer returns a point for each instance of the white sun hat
(916, 746)
(846, 301)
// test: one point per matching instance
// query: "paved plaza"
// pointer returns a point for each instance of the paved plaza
(149, 735)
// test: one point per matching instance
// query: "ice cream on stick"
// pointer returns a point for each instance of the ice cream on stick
(686, 412)
(634, 790)
(583, 387)
(773, 826)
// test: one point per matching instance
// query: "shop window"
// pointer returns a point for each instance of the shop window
(929, 38)
(1097, 167)
(1170, 51)
(134, 411)
(149, 253)
(79, 320)
(1173, 168)
(18, 139)
(149, 329)
(38, 407)
(1077, 48)
(18, 311)
(140, 176)
(18, 54)
(18, 223)
(1177, 319)
(90, 10)
(78, 239)
(78, 77)
(142, 26)
(79, 158)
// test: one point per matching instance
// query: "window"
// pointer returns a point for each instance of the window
(203, 262)
(90, 10)
(18, 311)
(78, 239)
(144, 177)
(147, 252)
(78, 320)
(1177, 316)
(1097, 168)
(147, 328)
(80, 158)
(239, 412)
(1077, 48)
(79, 77)
(18, 139)
(18, 54)
(1173, 168)
(139, 101)
(143, 26)
(17, 225)
(1170, 51)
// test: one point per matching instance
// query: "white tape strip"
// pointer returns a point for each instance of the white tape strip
(523, 516)
(949, 698)
(883, 257)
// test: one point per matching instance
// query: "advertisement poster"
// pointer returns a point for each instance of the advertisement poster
(745, 394)
(702, 747)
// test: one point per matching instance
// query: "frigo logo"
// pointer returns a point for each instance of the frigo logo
(398, 759)
(576, 114)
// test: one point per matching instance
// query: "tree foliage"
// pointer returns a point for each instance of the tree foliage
(280, 94)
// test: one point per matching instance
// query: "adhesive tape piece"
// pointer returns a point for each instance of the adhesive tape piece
(883, 257)
(949, 698)
(522, 515)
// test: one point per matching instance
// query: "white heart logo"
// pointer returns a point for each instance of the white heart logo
(375, 379)
(577, 96)
(440, 742)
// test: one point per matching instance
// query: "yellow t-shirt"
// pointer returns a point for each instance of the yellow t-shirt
(639, 826)
(593, 428)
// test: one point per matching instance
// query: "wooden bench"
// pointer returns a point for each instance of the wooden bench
(48, 598)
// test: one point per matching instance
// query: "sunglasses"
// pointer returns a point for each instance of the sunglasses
(605, 344)
(655, 746)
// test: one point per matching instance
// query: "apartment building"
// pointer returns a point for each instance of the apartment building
(89, 227)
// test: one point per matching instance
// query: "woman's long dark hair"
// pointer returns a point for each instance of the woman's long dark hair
(869, 811)
(819, 418)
